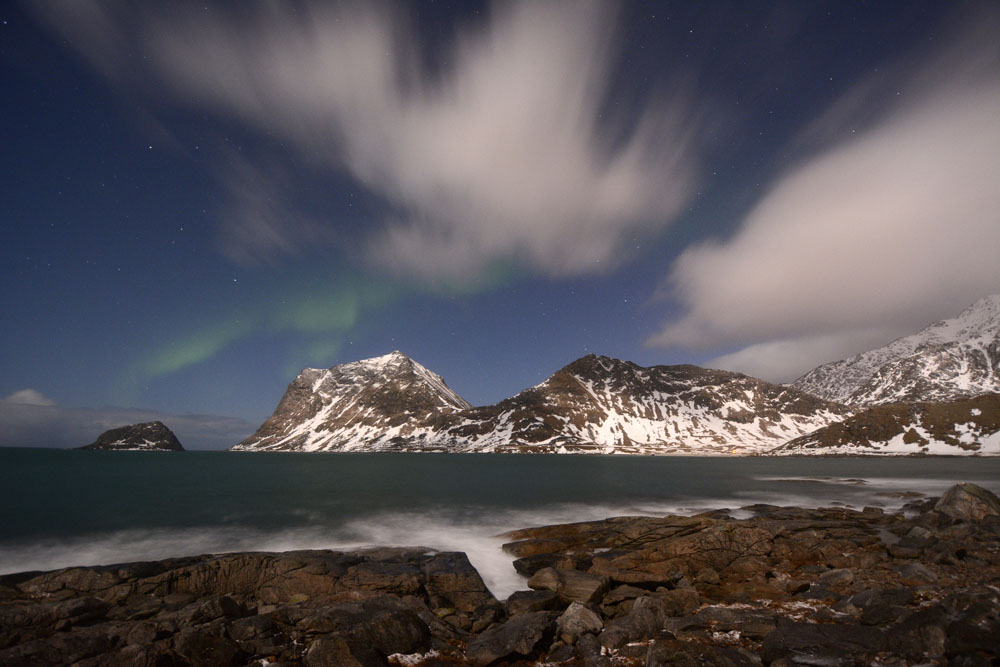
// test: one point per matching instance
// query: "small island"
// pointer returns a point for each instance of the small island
(150, 436)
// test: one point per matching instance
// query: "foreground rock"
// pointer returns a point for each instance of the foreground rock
(151, 436)
(787, 586)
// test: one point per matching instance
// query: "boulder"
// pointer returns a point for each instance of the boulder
(452, 581)
(571, 585)
(524, 602)
(968, 502)
(645, 621)
(577, 620)
(522, 636)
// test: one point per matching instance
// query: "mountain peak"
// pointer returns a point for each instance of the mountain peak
(954, 358)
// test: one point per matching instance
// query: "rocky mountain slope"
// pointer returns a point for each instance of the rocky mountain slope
(364, 405)
(604, 405)
(596, 404)
(151, 436)
(961, 427)
(955, 358)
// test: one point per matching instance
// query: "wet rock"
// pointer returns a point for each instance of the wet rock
(522, 636)
(968, 502)
(524, 602)
(528, 565)
(452, 581)
(571, 585)
(577, 620)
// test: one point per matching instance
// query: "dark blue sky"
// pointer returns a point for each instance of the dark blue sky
(199, 201)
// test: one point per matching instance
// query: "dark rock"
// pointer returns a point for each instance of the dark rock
(672, 653)
(32, 619)
(680, 601)
(881, 614)
(621, 593)
(151, 436)
(451, 581)
(588, 647)
(61, 648)
(336, 652)
(524, 602)
(922, 634)
(528, 565)
(821, 644)
(882, 596)
(523, 636)
(577, 620)
(209, 646)
(917, 573)
(839, 577)
(968, 502)
(707, 575)
(754, 623)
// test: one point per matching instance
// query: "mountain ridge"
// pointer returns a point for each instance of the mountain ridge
(950, 359)
(595, 404)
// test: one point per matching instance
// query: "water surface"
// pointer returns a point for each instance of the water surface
(70, 507)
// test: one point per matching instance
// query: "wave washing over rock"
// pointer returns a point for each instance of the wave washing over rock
(780, 585)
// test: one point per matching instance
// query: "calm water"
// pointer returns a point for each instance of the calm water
(67, 507)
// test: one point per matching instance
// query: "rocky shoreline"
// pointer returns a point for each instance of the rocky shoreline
(777, 586)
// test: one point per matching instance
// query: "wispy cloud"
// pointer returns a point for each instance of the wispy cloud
(504, 152)
(892, 225)
(29, 419)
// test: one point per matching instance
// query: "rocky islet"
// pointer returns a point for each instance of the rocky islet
(777, 586)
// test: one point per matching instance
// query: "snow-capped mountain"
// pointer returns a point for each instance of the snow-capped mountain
(150, 436)
(607, 406)
(364, 405)
(951, 359)
(969, 426)
(596, 404)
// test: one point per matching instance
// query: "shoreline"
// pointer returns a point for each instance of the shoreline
(784, 586)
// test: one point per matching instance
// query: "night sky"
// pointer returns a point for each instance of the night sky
(198, 201)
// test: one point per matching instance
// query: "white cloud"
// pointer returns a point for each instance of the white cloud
(888, 230)
(501, 153)
(785, 359)
(34, 421)
(28, 397)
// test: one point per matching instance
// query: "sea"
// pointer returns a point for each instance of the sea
(62, 508)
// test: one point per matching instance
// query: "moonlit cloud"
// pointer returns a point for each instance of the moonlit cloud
(28, 397)
(889, 228)
(28, 419)
(506, 151)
